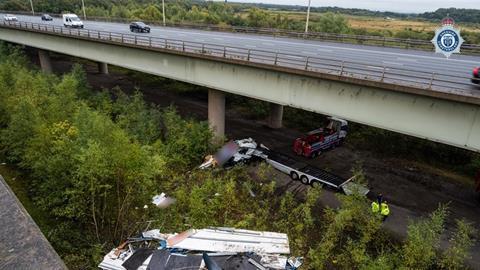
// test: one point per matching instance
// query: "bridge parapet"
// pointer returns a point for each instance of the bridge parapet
(434, 84)
(389, 42)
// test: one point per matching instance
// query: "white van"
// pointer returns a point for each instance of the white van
(72, 20)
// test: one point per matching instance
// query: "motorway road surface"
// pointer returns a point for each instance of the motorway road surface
(457, 69)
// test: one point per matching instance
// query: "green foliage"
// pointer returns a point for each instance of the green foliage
(302, 233)
(331, 23)
(259, 18)
(408, 33)
(460, 244)
(186, 141)
(91, 168)
(459, 14)
(133, 115)
(423, 241)
(348, 234)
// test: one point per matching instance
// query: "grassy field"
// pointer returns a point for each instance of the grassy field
(398, 25)
(376, 23)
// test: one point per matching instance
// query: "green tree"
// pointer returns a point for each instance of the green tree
(331, 23)
(423, 241)
(461, 242)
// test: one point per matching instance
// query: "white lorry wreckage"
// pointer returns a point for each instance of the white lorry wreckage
(209, 249)
(247, 150)
(235, 152)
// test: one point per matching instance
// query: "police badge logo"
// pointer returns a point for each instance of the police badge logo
(447, 39)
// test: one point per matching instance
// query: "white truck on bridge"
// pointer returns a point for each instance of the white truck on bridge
(72, 20)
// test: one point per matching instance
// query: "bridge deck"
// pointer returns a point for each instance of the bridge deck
(453, 74)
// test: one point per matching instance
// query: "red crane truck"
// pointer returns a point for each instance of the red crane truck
(316, 141)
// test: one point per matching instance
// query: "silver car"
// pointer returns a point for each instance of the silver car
(10, 18)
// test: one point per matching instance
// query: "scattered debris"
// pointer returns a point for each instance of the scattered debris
(294, 263)
(162, 201)
(211, 249)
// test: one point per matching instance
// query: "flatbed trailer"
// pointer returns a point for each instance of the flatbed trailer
(311, 175)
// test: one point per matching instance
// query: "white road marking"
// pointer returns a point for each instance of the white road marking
(374, 67)
(392, 63)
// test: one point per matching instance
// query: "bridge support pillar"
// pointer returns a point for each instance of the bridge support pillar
(216, 112)
(102, 68)
(45, 62)
(276, 116)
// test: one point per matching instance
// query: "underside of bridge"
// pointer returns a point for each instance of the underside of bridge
(447, 121)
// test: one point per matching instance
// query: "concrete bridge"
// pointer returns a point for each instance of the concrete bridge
(435, 106)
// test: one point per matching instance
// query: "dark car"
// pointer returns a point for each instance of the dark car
(476, 75)
(46, 17)
(139, 27)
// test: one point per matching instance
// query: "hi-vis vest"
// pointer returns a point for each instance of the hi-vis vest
(375, 207)
(385, 210)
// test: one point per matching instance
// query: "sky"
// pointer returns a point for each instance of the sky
(405, 6)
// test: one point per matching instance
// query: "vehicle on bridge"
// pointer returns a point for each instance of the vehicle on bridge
(139, 27)
(476, 75)
(314, 142)
(46, 17)
(72, 20)
(10, 18)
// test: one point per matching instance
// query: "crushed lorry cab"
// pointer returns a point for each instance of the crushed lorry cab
(235, 152)
(72, 20)
(314, 142)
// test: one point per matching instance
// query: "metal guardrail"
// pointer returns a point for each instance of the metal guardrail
(390, 42)
(348, 69)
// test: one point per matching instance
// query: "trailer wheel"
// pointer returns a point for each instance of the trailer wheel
(294, 176)
(304, 180)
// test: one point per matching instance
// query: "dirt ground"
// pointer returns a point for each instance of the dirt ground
(413, 190)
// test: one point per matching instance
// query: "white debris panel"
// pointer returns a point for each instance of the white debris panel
(231, 240)
(227, 247)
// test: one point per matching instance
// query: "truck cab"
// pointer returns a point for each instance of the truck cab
(72, 20)
(316, 141)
